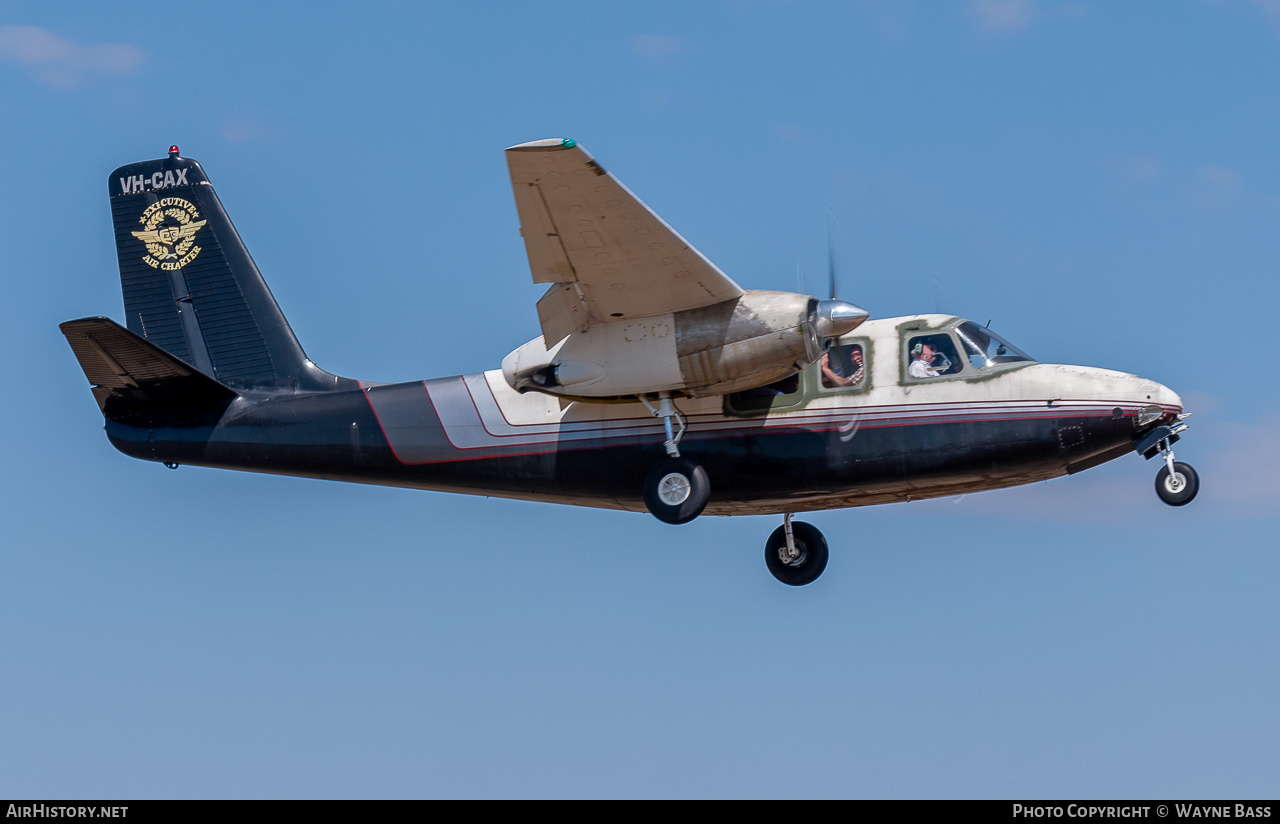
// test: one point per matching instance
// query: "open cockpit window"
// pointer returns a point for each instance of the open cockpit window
(843, 366)
(985, 348)
(932, 356)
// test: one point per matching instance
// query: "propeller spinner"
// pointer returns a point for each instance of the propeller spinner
(839, 317)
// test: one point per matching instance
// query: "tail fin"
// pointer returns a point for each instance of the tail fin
(190, 286)
(131, 376)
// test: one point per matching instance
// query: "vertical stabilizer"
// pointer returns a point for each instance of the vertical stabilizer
(190, 286)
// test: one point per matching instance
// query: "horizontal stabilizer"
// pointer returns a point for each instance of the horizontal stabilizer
(131, 375)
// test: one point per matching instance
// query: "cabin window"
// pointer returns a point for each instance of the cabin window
(985, 348)
(760, 400)
(932, 356)
(843, 366)
(786, 386)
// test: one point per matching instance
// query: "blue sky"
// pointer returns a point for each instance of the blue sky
(1099, 179)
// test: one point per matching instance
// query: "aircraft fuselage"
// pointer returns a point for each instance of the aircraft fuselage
(892, 438)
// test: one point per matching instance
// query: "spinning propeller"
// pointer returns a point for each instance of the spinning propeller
(836, 317)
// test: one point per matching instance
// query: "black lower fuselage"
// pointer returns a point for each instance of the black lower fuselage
(400, 435)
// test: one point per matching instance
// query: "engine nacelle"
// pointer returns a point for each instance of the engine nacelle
(759, 338)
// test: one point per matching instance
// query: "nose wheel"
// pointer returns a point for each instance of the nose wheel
(1177, 483)
(796, 553)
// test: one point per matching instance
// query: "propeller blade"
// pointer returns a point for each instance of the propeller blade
(942, 299)
(831, 265)
(831, 250)
(836, 317)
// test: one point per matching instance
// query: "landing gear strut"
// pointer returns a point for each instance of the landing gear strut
(796, 553)
(676, 490)
(1176, 482)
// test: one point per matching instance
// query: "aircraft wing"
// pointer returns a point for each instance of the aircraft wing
(607, 255)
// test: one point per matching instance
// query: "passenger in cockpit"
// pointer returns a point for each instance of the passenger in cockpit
(842, 366)
(830, 377)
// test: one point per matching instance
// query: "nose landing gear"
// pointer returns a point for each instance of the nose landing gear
(1176, 482)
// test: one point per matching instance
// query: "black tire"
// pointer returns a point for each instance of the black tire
(1180, 488)
(676, 490)
(813, 554)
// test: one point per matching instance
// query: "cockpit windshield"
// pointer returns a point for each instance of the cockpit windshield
(985, 348)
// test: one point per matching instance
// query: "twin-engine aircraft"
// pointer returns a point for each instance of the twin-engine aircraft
(657, 383)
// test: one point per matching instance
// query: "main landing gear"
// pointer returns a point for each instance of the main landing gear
(796, 553)
(676, 490)
(1176, 482)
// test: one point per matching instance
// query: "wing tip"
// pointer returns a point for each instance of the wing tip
(549, 144)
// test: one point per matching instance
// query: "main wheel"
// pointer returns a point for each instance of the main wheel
(676, 490)
(813, 554)
(1179, 487)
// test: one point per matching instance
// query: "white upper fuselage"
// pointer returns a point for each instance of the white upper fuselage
(887, 385)
(993, 409)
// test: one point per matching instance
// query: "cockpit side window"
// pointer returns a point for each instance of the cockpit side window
(843, 366)
(932, 356)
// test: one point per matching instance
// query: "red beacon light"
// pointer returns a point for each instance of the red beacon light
(173, 150)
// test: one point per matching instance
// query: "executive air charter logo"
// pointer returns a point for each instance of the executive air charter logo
(169, 229)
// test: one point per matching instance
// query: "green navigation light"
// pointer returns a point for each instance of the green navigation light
(568, 144)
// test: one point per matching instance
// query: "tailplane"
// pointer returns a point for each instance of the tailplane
(133, 377)
(190, 286)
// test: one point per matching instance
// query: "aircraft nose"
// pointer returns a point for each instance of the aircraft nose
(1111, 386)
(1167, 403)
(1165, 396)
(1150, 393)
(1159, 402)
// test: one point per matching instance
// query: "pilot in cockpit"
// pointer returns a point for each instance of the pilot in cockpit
(923, 362)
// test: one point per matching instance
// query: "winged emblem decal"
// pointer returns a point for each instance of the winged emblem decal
(169, 230)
